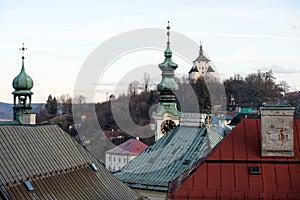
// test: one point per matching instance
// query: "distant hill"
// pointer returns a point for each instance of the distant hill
(6, 111)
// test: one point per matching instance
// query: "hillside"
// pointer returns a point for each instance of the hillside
(6, 111)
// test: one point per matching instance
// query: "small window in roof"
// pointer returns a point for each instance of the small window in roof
(28, 186)
(254, 170)
(187, 161)
(94, 167)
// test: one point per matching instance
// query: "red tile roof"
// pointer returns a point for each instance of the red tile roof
(131, 147)
(225, 173)
(111, 134)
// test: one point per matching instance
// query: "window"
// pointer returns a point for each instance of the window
(254, 170)
(94, 167)
(119, 160)
(125, 160)
(109, 158)
(28, 185)
(114, 159)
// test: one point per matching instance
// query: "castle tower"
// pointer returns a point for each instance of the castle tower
(201, 68)
(167, 116)
(22, 96)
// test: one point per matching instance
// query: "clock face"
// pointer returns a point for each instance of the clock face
(167, 125)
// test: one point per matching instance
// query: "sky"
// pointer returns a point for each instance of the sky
(239, 37)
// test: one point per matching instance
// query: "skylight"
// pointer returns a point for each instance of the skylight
(254, 170)
(28, 186)
(94, 167)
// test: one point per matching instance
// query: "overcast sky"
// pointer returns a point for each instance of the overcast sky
(239, 36)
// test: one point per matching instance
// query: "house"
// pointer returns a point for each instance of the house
(181, 139)
(44, 162)
(150, 172)
(117, 157)
(259, 159)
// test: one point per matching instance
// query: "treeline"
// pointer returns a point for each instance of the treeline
(253, 91)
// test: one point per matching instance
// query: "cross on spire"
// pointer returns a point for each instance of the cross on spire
(23, 49)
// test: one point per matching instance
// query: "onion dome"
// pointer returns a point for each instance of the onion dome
(23, 81)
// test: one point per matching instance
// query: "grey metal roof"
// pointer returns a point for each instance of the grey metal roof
(194, 69)
(201, 57)
(166, 159)
(56, 166)
(210, 69)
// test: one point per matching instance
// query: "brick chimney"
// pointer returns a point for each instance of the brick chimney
(277, 138)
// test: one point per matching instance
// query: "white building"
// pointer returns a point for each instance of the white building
(119, 156)
(202, 68)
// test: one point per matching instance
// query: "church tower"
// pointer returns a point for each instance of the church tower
(167, 116)
(22, 96)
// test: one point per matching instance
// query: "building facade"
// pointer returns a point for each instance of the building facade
(202, 68)
(117, 157)
(259, 159)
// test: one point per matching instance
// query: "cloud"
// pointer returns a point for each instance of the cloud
(284, 70)
(244, 35)
(296, 26)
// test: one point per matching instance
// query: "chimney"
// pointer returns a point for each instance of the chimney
(28, 118)
(277, 138)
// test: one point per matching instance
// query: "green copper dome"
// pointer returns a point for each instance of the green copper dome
(22, 81)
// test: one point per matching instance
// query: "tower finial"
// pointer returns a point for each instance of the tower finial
(23, 49)
(168, 52)
(201, 50)
(168, 33)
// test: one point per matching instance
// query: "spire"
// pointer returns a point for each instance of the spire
(168, 64)
(168, 52)
(22, 95)
(201, 50)
(167, 84)
(23, 49)
(201, 56)
(22, 81)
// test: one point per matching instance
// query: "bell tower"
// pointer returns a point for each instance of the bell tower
(22, 96)
(166, 116)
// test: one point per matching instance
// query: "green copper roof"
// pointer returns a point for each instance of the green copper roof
(168, 67)
(168, 158)
(22, 81)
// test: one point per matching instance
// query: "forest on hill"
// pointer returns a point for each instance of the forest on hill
(253, 90)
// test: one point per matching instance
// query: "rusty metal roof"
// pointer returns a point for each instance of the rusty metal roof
(168, 158)
(56, 166)
(235, 169)
(130, 147)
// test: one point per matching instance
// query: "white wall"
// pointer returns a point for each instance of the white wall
(115, 162)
